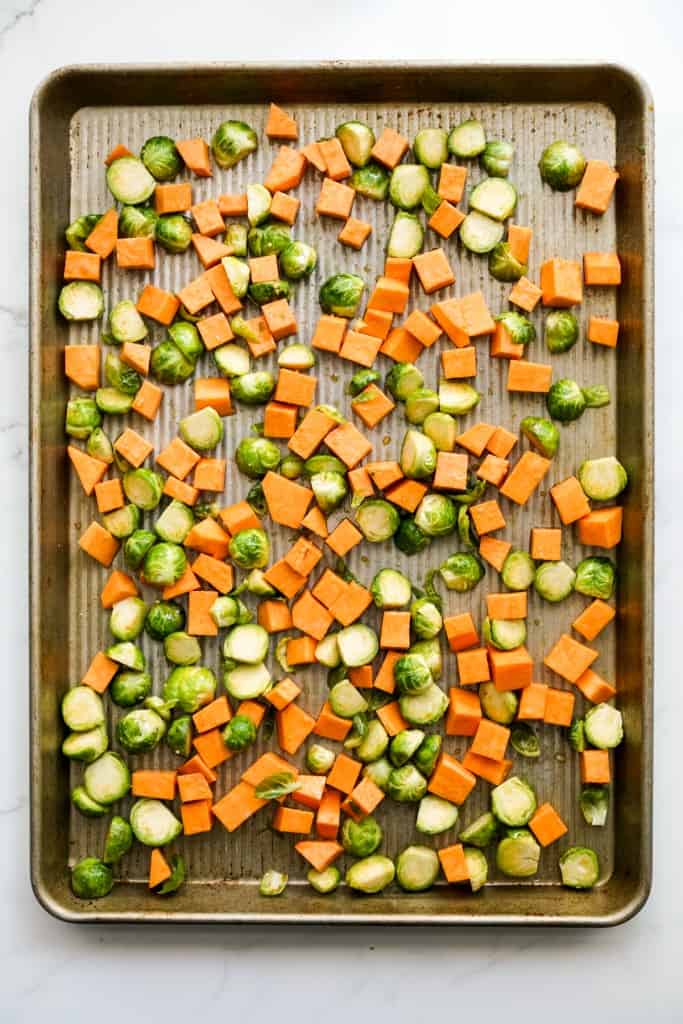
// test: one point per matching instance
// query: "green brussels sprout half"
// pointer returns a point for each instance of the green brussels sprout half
(430, 202)
(324, 463)
(153, 823)
(436, 515)
(481, 832)
(594, 805)
(86, 746)
(467, 139)
(164, 618)
(595, 577)
(503, 265)
(361, 838)
(80, 301)
(179, 736)
(504, 634)
(268, 239)
(417, 868)
(402, 379)
(518, 854)
(319, 759)
(371, 181)
(140, 730)
(596, 396)
(122, 521)
(346, 701)
(127, 618)
(143, 487)
(431, 147)
(273, 883)
(298, 260)
(256, 456)
(99, 446)
(457, 398)
(291, 467)
(498, 705)
(378, 772)
(409, 538)
(494, 197)
(329, 489)
(232, 141)
(126, 324)
(118, 840)
(164, 564)
(129, 181)
(518, 570)
(604, 726)
(205, 510)
(239, 274)
(496, 158)
(113, 402)
(259, 201)
(256, 499)
(239, 733)
(461, 572)
(186, 336)
(561, 330)
(374, 744)
(361, 380)
(480, 234)
(123, 378)
(325, 881)
(163, 708)
(161, 158)
(78, 231)
(406, 784)
(250, 548)
(541, 434)
(297, 356)
(477, 868)
(377, 519)
(136, 547)
(127, 654)
(412, 674)
(173, 232)
(232, 360)
(236, 239)
(403, 745)
(191, 687)
(357, 140)
(524, 740)
(82, 416)
(427, 754)
(406, 237)
(253, 388)
(602, 479)
(168, 364)
(107, 779)
(426, 618)
(371, 875)
(82, 709)
(137, 222)
(340, 294)
(130, 688)
(520, 329)
(407, 184)
(91, 879)
(562, 165)
(269, 291)
(202, 430)
(513, 802)
(420, 403)
(554, 581)
(435, 815)
(182, 649)
(418, 461)
(390, 589)
(565, 400)
(579, 867)
(430, 650)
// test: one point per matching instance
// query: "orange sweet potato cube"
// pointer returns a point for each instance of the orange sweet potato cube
(395, 633)
(344, 773)
(451, 472)
(494, 551)
(199, 621)
(603, 331)
(595, 767)
(524, 477)
(372, 405)
(559, 707)
(561, 283)
(546, 544)
(433, 270)
(207, 217)
(284, 207)
(133, 447)
(459, 363)
(274, 616)
(354, 233)
(173, 197)
(109, 495)
(196, 295)
(597, 186)
(511, 670)
(209, 475)
(280, 320)
(215, 330)
(336, 164)
(135, 253)
(389, 295)
(593, 619)
(303, 556)
(501, 442)
(344, 537)
(547, 825)
(407, 494)
(569, 658)
(178, 458)
(391, 718)
(330, 726)
(234, 204)
(452, 858)
(533, 378)
(570, 500)
(525, 294)
(601, 268)
(473, 666)
(147, 400)
(293, 726)
(452, 180)
(595, 688)
(329, 333)
(390, 148)
(157, 304)
(490, 740)
(100, 672)
(446, 219)
(493, 470)
(360, 348)
(82, 266)
(295, 388)
(348, 444)
(286, 171)
(279, 420)
(219, 575)
(451, 780)
(464, 712)
(310, 616)
(335, 200)
(461, 632)
(423, 328)
(487, 517)
(532, 702)
(329, 814)
(398, 267)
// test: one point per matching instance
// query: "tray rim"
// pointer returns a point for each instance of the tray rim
(50, 902)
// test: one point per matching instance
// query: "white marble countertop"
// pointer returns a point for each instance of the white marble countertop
(94, 974)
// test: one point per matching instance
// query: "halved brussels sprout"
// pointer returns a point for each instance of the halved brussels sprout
(417, 868)
(253, 388)
(604, 726)
(594, 804)
(406, 784)
(406, 236)
(173, 232)
(256, 456)
(232, 360)
(431, 200)
(298, 260)
(565, 400)
(258, 204)
(182, 649)
(596, 396)
(498, 705)
(480, 234)
(371, 181)
(579, 867)
(174, 523)
(271, 238)
(361, 379)
(272, 883)
(513, 802)
(325, 881)
(140, 730)
(179, 736)
(130, 688)
(418, 459)
(107, 779)
(361, 838)
(239, 733)
(297, 356)
(519, 328)
(374, 744)
(602, 479)
(329, 489)
(168, 364)
(524, 740)
(554, 581)
(431, 147)
(576, 736)
(504, 634)
(232, 141)
(391, 589)
(430, 650)
(409, 538)
(118, 840)
(518, 570)
(346, 701)
(461, 572)
(191, 686)
(562, 165)
(435, 815)
(340, 294)
(246, 643)
(542, 434)
(518, 854)
(82, 416)
(143, 487)
(137, 222)
(247, 682)
(467, 139)
(80, 301)
(82, 709)
(250, 548)
(186, 336)
(126, 324)
(426, 618)
(427, 754)
(457, 398)
(420, 403)
(238, 274)
(494, 197)
(122, 521)
(425, 708)
(91, 879)
(202, 430)
(407, 184)
(595, 577)
(402, 380)
(153, 824)
(477, 868)
(86, 746)
(503, 265)
(377, 519)
(161, 158)
(78, 231)
(481, 832)
(99, 446)
(371, 875)
(236, 239)
(496, 158)
(561, 330)
(442, 429)
(378, 772)
(268, 291)
(357, 140)
(127, 654)
(403, 745)
(319, 759)
(164, 564)
(113, 402)
(127, 618)
(129, 181)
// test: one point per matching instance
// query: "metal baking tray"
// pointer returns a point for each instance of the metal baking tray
(77, 114)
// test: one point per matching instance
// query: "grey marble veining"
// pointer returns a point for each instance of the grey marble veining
(71, 974)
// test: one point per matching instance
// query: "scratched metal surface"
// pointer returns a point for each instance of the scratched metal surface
(227, 867)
